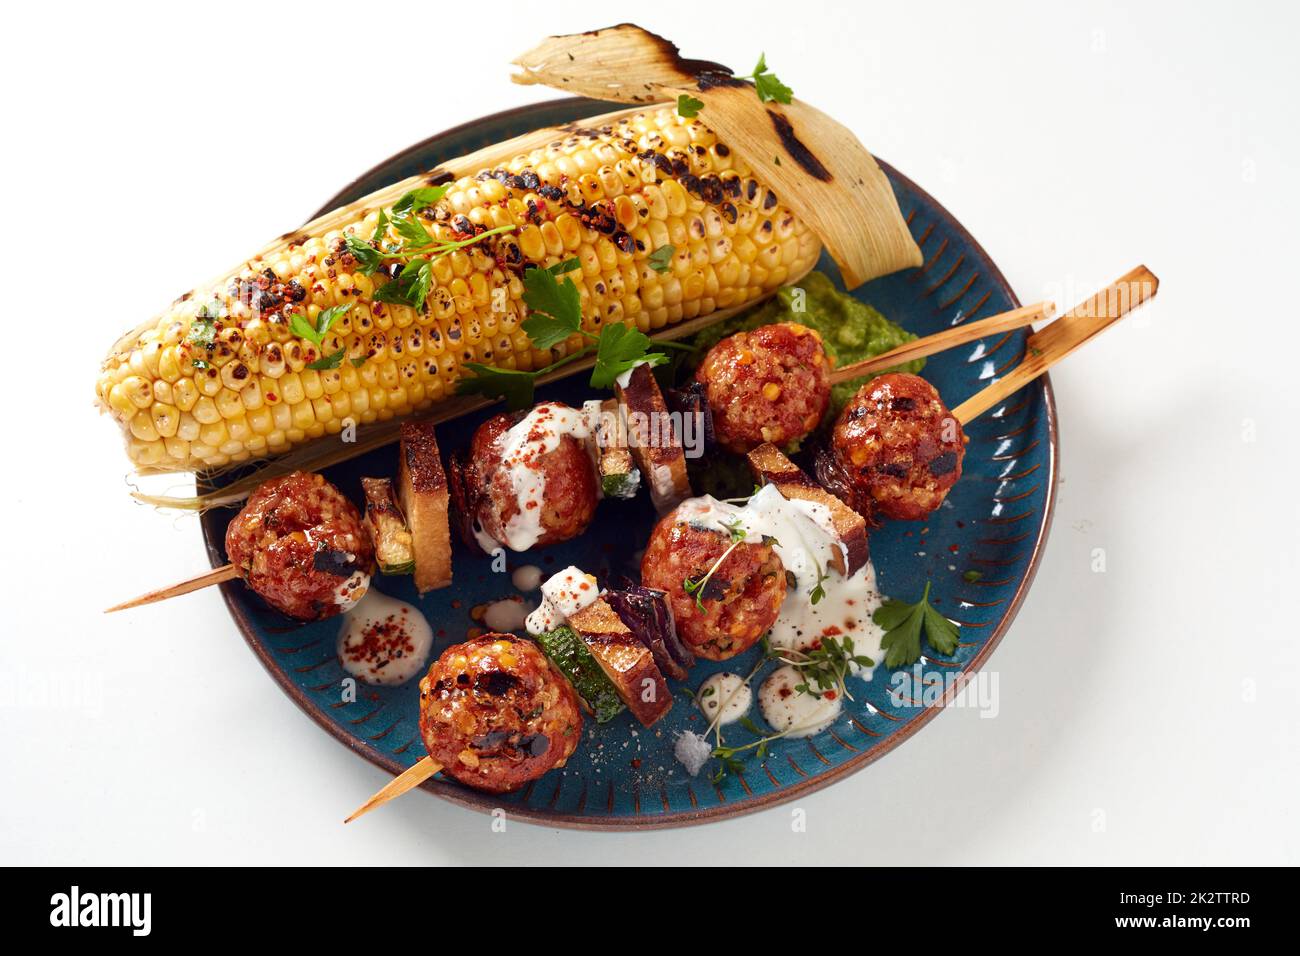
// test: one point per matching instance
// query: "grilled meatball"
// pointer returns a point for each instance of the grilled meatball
(497, 714)
(529, 480)
(300, 545)
(898, 447)
(771, 384)
(740, 599)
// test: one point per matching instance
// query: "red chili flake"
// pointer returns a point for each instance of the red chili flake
(785, 692)
(381, 642)
(832, 631)
(952, 548)
(636, 763)
(829, 695)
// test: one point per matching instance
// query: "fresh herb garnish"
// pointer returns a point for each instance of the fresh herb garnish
(416, 249)
(661, 260)
(695, 586)
(335, 360)
(556, 307)
(514, 386)
(688, 106)
(823, 668)
(819, 591)
(768, 86)
(973, 576)
(324, 322)
(619, 349)
(203, 331)
(903, 624)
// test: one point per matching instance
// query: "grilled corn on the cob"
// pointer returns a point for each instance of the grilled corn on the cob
(243, 387)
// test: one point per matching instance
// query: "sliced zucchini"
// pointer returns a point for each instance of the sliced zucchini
(622, 484)
(394, 545)
(569, 653)
(619, 477)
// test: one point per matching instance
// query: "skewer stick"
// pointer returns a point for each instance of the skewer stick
(409, 779)
(215, 576)
(1064, 336)
(947, 339)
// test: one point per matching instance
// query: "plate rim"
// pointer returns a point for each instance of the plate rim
(485, 802)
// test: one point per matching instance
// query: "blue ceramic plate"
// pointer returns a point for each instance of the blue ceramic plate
(624, 775)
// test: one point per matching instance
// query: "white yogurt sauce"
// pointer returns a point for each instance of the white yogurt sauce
(625, 378)
(351, 591)
(527, 578)
(522, 448)
(564, 594)
(792, 713)
(806, 542)
(384, 641)
(508, 614)
(725, 698)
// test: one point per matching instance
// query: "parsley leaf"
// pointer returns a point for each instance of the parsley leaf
(412, 232)
(556, 306)
(419, 199)
(973, 576)
(557, 298)
(411, 287)
(328, 361)
(661, 260)
(514, 386)
(300, 327)
(203, 332)
(621, 348)
(367, 256)
(767, 85)
(688, 106)
(903, 624)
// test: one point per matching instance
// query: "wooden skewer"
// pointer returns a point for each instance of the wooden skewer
(1064, 336)
(409, 779)
(1046, 348)
(947, 339)
(215, 576)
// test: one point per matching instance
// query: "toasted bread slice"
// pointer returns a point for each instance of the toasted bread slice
(625, 660)
(654, 443)
(770, 466)
(422, 493)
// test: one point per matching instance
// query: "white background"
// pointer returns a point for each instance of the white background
(1147, 713)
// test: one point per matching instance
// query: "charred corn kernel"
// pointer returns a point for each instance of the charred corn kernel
(603, 198)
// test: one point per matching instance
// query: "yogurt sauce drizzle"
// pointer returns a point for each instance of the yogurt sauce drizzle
(383, 640)
(792, 713)
(724, 698)
(522, 448)
(805, 542)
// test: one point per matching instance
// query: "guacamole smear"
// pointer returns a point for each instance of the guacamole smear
(850, 330)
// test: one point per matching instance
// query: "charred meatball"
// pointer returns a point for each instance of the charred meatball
(898, 448)
(528, 480)
(769, 385)
(739, 601)
(497, 714)
(300, 545)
